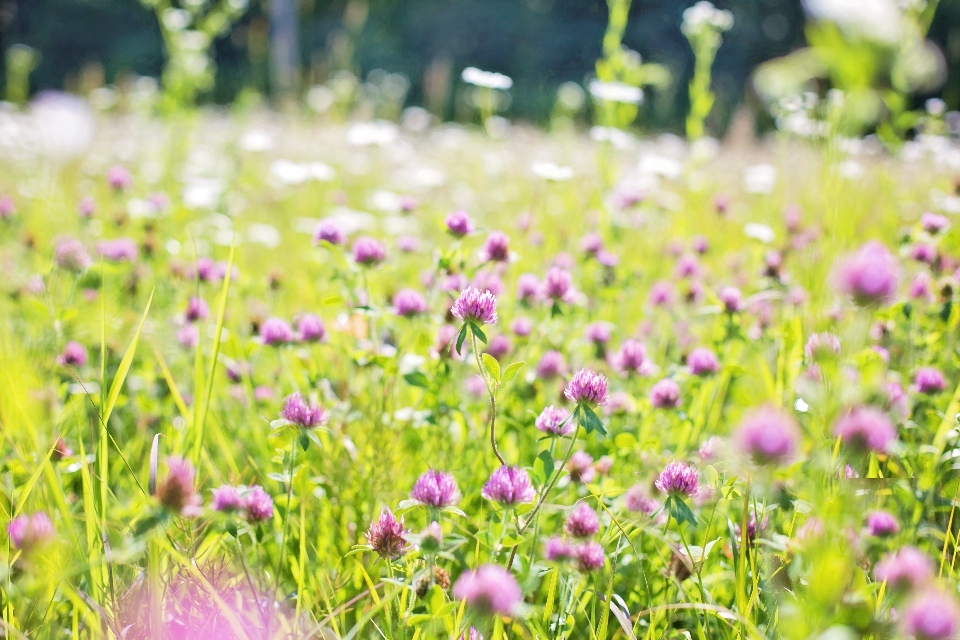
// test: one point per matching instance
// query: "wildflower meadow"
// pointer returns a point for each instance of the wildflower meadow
(278, 374)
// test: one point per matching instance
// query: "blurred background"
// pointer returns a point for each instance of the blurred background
(417, 49)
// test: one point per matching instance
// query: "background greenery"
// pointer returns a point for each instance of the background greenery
(539, 43)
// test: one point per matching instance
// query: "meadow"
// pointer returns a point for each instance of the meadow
(281, 374)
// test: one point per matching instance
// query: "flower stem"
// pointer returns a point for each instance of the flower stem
(492, 393)
(522, 526)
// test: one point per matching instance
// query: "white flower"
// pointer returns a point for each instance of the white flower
(202, 193)
(264, 234)
(487, 79)
(704, 14)
(615, 92)
(289, 172)
(550, 171)
(256, 140)
(380, 132)
(760, 232)
(759, 178)
(64, 125)
(659, 165)
(879, 20)
(617, 137)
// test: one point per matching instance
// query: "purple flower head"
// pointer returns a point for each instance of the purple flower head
(368, 252)
(119, 178)
(436, 489)
(488, 281)
(478, 307)
(74, 355)
(431, 538)
(71, 256)
(700, 244)
(528, 288)
(665, 394)
(87, 207)
(710, 448)
(258, 504)
(299, 412)
(768, 435)
(580, 467)
(557, 549)
(637, 499)
(631, 357)
(551, 365)
(409, 303)
(687, 266)
(933, 224)
(732, 299)
(275, 332)
(703, 362)
(865, 429)
(753, 527)
(329, 231)
(598, 333)
(30, 532)
(499, 347)
(177, 492)
(587, 388)
(929, 380)
(822, 345)
(408, 203)
(591, 243)
(310, 328)
(554, 420)
(882, 524)
(932, 615)
(197, 309)
(444, 346)
(118, 250)
(188, 336)
(590, 556)
(408, 244)
(558, 285)
(721, 202)
(607, 259)
(923, 252)
(509, 486)
(921, 287)
(772, 264)
(496, 248)
(582, 522)
(459, 224)
(678, 479)
(869, 276)
(521, 327)
(227, 498)
(7, 207)
(489, 590)
(661, 294)
(905, 569)
(386, 536)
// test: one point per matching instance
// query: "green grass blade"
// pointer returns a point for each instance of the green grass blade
(221, 311)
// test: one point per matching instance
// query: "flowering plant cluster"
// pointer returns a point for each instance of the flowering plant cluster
(415, 388)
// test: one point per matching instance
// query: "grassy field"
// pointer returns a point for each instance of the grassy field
(726, 292)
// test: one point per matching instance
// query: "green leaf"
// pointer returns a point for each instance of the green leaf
(304, 440)
(492, 366)
(680, 511)
(511, 371)
(481, 336)
(460, 338)
(591, 421)
(124, 367)
(543, 467)
(511, 540)
(417, 379)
